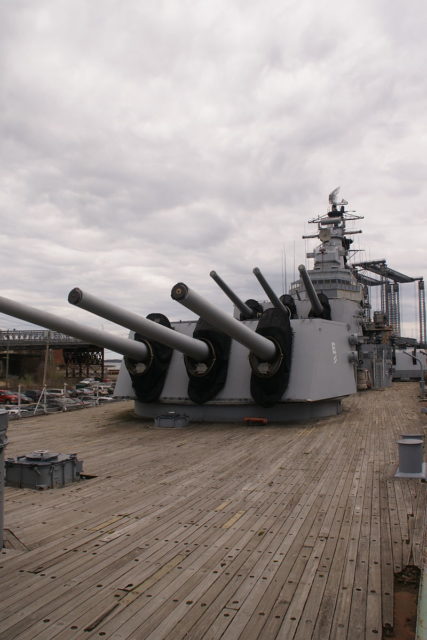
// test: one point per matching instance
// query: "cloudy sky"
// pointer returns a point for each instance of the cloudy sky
(147, 142)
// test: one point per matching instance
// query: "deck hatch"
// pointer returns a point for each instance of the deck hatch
(43, 470)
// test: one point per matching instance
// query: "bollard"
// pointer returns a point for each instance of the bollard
(410, 458)
(3, 440)
(413, 436)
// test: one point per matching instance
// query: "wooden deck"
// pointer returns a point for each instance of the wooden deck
(214, 531)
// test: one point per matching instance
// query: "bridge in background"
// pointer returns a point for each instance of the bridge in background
(24, 338)
(29, 348)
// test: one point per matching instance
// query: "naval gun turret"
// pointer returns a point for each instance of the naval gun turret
(280, 357)
(269, 346)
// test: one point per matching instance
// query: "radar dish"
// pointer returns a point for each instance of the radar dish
(333, 198)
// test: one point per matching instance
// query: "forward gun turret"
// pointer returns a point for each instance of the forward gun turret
(270, 344)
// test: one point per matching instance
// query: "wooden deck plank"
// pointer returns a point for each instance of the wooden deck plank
(82, 615)
(176, 626)
(337, 596)
(220, 593)
(374, 621)
(273, 597)
(254, 531)
(330, 531)
(418, 532)
(396, 531)
(314, 504)
(387, 574)
(352, 560)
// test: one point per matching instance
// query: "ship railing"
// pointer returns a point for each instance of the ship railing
(21, 337)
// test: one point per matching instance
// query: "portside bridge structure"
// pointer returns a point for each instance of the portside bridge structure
(19, 345)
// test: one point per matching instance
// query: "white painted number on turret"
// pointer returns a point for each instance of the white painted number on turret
(334, 353)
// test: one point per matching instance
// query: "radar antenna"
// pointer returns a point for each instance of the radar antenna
(333, 198)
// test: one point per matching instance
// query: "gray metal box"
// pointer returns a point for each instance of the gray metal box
(171, 420)
(42, 470)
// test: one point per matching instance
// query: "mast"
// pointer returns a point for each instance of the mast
(332, 233)
(331, 273)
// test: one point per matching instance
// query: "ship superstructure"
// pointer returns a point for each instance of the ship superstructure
(331, 275)
(331, 272)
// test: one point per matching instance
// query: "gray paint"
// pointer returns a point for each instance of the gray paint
(321, 369)
(260, 346)
(196, 349)
(43, 470)
(405, 368)
(411, 459)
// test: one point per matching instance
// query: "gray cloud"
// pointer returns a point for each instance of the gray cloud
(150, 143)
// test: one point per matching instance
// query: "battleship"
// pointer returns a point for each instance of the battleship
(282, 358)
(293, 527)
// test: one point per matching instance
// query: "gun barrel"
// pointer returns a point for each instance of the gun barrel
(136, 350)
(196, 349)
(269, 291)
(246, 311)
(260, 346)
(316, 305)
